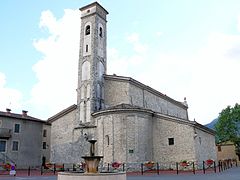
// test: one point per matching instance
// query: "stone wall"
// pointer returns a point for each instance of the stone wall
(118, 91)
(125, 137)
(147, 99)
(183, 147)
(61, 138)
(204, 145)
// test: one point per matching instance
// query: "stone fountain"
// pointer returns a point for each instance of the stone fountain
(91, 173)
(92, 161)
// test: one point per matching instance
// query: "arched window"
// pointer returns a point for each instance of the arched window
(100, 32)
(87, 30)
(107, 139)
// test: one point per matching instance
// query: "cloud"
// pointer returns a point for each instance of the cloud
(209, 79)
(138, 46)
(159, 34)
(57, 70)
(9, 97)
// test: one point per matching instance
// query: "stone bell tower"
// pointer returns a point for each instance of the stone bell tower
(92, 61)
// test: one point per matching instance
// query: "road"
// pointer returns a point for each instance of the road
(230, 174)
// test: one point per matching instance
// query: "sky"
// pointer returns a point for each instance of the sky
(182, 48)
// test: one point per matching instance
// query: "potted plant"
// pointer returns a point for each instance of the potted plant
(116, 165)
(184, 163)
(149, 164)
(209, 162)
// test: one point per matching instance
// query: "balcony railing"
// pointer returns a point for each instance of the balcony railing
(5, 133)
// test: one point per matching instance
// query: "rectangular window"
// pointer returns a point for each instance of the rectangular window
(44, 145)
(86, 48)
(15, 145)
(3, 146)
(17, 128)
(44, 133)
(170, 141)
(219, 148)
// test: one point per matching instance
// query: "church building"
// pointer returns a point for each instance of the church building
(131, 121)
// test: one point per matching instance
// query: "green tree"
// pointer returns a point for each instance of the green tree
(228, 126)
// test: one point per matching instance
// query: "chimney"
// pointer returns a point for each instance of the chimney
(8, 111)
(24, 113)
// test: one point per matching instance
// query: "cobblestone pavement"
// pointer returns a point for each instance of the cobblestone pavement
(230, 174)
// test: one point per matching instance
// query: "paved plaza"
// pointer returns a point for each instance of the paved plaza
(230, 174)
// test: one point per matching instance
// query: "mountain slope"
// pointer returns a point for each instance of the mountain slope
(212, 124)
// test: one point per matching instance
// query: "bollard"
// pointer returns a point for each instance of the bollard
(108, 167)
(123, 167)
(63, 168)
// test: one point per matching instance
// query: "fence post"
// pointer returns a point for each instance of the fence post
(41, 170)
(157, 168)
(142, 168)
(54, 168)
(177, 166)
(193, 168)
(108, 167)
(219, 167)
(214, 166)
(203, 167)
(29, 171)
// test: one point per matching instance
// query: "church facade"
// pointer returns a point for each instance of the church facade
(131, 122)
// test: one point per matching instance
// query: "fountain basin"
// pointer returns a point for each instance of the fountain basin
(91, 176)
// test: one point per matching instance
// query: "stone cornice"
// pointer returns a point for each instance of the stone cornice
(121, 110)
(154, 114)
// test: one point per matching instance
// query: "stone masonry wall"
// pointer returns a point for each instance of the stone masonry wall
(118, 92)
(183, 148)
(205, 146)
(130, 137)
(144, 98)
(61, 138)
